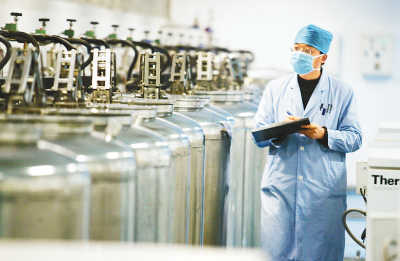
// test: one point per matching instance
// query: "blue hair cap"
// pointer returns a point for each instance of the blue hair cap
(315, 36)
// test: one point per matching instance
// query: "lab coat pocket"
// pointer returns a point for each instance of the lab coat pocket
(337, 162)
(334, 174)
(338, 178)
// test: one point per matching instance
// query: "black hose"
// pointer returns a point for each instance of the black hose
(88, 48)
(129, 44)
(6, 58)
(53, 39)
(156, 49)
(344, 217)
(97, 42)
(362, 192)
(20, 37)
(144, 45)
(217, 50)
(252, 56)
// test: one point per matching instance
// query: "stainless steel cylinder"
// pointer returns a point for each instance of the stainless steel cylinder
(154, 180)
(179, 144)
(197, 150)
(153, 186)
(217, 142)
(242, 209)
(111, 166)
(151, 198)
(43, 195)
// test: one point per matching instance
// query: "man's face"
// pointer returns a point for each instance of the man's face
(299, 47)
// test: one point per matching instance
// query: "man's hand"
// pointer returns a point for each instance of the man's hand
(313, 131)
(292, 118)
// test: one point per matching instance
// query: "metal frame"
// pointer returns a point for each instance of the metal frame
(64, 59)
(101, 61)
(24, 57)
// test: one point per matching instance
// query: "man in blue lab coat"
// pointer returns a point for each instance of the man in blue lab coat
(304, 184)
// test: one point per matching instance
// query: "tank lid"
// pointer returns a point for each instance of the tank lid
(190, 102)
(17, 131)
(146, 111)
(56, 124)
(220, 96)
(249, 94)
(162, 106)
(98, 116)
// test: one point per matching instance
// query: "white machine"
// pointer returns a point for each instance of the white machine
(381, 178)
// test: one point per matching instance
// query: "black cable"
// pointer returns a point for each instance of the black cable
(88, 48)
(153, 49)
(252, 56)
(7, 56)
(217, 50)
(47, 39)
(344, 217)
(131, 45)
(20, 37)
(362, 192)
(144, 45)
(97, 42)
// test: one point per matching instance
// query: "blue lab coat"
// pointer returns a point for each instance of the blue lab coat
(303, 191)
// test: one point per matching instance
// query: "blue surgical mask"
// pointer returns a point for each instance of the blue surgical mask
(303, 63)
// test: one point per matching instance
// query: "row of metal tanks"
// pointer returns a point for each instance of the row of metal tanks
(156, 172)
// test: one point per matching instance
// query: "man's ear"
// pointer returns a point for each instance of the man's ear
(324, 58)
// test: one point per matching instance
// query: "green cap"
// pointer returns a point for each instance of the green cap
(11, 27)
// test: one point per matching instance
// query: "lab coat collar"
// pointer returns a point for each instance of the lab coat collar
(315, 99)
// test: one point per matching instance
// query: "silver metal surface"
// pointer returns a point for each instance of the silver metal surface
(154, 180)
(196, 180)
(179, 144)
(217, 142)
(43, 195)
(153, 185)
(111, 166)
(151, 199)
(246, 167)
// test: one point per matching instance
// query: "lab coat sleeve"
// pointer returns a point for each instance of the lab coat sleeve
(347, 137)
(265, 116)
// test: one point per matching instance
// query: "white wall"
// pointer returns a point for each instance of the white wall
(268, 27)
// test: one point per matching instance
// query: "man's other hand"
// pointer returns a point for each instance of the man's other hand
(313, 131)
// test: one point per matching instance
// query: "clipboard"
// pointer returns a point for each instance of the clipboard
(279, 129)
